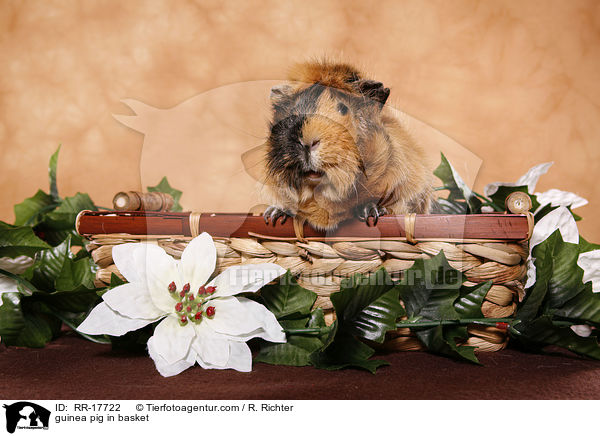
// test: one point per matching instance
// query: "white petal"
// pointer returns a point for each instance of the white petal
(212, 349)
(156, 270)
(245, 278)
(556, 197)
(532, 176)
(16, 265)
(231, 317)
(589, 262)
(171, 340)
(102, 320)
(198, 261)
(133, 301)
(240, 358)
(7, 284)
(559, 218)
(270, 329)
(124, 258)
(530, 179)
(169, 369)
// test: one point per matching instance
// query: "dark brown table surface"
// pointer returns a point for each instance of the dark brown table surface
(73, 368)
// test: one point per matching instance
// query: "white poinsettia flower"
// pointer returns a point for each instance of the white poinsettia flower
(16, 265)
(202, 321)
(529, 179)
(589, 262)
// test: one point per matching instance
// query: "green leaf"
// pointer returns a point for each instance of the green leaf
(432, 290)
(164, 186)
(429, 289)
(63, 217)
(442, 340)
(36, 333)
(468, 304)
(11, 317)
(346, 351)
(457, 187)
(287, 297)
(48, 266)
(585, 246)
(541, 332)
(299, 346)
(559, 289)
(19, 240)
(52, 175)
(76, 275)
(368, 306)
(30, 211)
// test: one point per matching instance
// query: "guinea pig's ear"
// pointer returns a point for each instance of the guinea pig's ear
(279, 92)
(373, 90)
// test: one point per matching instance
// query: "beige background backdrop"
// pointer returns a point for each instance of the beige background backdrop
(514, 82)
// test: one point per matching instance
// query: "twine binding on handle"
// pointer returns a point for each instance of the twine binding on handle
(409, 227)
(195, 223)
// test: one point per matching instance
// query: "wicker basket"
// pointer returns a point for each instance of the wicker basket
(320, 263)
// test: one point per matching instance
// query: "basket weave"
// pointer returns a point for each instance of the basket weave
(321, 266)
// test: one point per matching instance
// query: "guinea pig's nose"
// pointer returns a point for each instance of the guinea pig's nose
(312, 145)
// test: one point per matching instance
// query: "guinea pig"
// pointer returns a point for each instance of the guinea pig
(335, 151)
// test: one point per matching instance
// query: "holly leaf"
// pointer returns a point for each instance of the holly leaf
(298, 348)
(164, 186)
(48, 265)
(470, 300)
(443, 206)
(76, 275)
(559, 289)
(59, 224)
(432, 290)
(19, 240)
(366, 308)
(52, 175)
(429, 289)
(30, 211)
(12, 320)
(457, 187)
(536, 334)
(287, 298)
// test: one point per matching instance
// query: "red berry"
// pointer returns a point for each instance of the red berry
(186, 287)
(210, 311)
(179, 307)
(191, 297)
(172, 287)
(183, 319)
(502, 325)
(189, 308)
(211, 290)
(182, 294)
(198, 315)
(201, 290)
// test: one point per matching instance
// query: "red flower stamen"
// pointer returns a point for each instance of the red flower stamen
(186, 288)
(179, 307)
(198, 316)
(172, 287)
(210, 311)
(211, 290)
(191, 297)
(183, 319)
(201, 290)
(182, 294)
(189, 308)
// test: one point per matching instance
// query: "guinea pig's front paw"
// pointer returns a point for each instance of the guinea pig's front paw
(370, 210)
(273, 213)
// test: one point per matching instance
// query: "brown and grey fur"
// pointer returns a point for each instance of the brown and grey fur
(328, 119)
